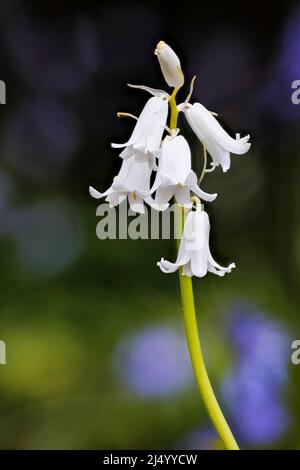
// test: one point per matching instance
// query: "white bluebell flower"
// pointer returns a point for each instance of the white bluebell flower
(217, 141)
(175, 176)
(133, 181)
(194, 253)
(147, 133)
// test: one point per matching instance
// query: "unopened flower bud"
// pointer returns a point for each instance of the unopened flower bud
(170, 65)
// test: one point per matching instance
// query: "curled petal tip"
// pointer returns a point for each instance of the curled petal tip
(118, 146)
(94, 193)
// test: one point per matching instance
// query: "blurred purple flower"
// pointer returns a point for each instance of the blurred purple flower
(260, 342)
(290, 47)
(154, 362)
(258, 412)
(274, 95)
(253, 389)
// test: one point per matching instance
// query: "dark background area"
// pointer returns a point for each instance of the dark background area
(96, 355)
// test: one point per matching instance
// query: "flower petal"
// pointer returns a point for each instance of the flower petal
(202, 119)
(167, 267)
(199, 263)
(96, 194)
(136, 203)
(184, 255)
(164, 194)
(186, 270)
(115, 198)
(174, 163)
(215, 268)
(198, 235)
(148, 131)
(152, 91)
(182, 196)
(134, 175)
(202, 194)
(219, 155)
(155, 205)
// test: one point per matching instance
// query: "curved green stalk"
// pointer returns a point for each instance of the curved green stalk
(174, 110)
(193, 340)
(206, 391)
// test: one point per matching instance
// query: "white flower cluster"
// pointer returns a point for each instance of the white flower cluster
(147, 151)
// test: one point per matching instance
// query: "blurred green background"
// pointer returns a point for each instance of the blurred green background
(96, 355)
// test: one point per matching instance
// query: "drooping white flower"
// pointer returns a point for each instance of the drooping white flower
(170, 65)
(175, 176)
(148, 131)
(133, 181)
(219, 144)
(194, 254)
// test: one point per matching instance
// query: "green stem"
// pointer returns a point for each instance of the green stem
(200, 371)
(191, 329)
(174, 110)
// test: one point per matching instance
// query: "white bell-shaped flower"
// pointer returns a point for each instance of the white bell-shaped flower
(175, 176)
(133, 181)
(170, 65)
(194, 254)
(217, 141)
(147, 134)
